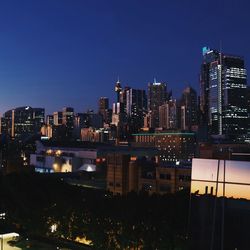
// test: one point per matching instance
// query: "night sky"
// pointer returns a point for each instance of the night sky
(56, 53)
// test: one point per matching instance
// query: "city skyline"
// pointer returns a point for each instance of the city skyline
(56, 58)
(124, 124)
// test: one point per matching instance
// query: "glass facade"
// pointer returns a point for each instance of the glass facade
(23, 121)
(223, 100)
(136, 107)
(157, 96)
(233, 178)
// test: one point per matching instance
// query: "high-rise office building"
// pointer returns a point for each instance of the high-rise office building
(57, 116)
(119, 120)
(118, 114)
(248, 105)
(123, 97)
(104, 109)
(168, 115)
(103, 104)
(136, 108)
(68, 120)
(50, 120)
(157, 96)
(189, 115)
(68, 117)
(223, 102)
(23, 122)
(81, 120)
(39, 118)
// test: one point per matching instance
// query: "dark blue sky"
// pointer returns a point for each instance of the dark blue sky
(56, 53)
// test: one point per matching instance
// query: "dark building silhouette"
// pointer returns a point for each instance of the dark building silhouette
(39, 118)
(189, 109)
(104, 109)
(49, 120)
(68, 121)
(136, 108)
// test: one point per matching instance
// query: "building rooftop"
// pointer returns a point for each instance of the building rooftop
(165, 133)
(126, 149)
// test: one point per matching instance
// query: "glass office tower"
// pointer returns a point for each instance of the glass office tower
(223, 101)
(157, 96)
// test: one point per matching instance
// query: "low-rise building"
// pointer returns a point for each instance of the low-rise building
(126, 173)
(51, 156)
(172, 146)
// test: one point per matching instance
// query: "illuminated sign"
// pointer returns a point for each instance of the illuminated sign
(205, 50)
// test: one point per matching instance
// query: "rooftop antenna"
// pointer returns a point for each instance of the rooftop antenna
(220, 52)
(154, 80)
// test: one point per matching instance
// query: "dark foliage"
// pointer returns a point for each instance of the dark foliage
(34, 202)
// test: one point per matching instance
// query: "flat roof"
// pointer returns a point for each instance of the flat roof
(165, 133)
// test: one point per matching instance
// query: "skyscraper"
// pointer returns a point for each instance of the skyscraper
(248, 105)
(168, 115)
(23, 122)
(68, 120)
(118, 89)
(157, 95)
(189, 101)
(136, 108)
(123, 97)
(118, 114)
(103, 104)
(119, 120)
(39, 118)
(223, 103)
(57, 118)
(104, 108)
(49, 120)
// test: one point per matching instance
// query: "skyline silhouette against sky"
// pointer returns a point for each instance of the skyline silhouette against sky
(56, 53)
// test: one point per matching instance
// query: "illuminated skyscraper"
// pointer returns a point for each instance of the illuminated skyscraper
(118, 89)
(68, 120)
(49, 120)
(104, 109)
(39, 118)
(23, 122)
(57, 118)
(168, 115)
(123, 97)
(223, 102)
(248, 105)
(157, 95)
(103, 104)
(136, 108)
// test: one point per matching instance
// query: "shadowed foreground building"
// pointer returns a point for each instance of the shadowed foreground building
(220, 204)
(126, 173)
